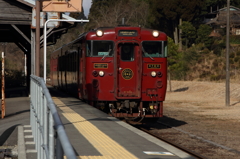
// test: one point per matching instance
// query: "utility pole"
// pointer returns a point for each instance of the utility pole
(227, 56)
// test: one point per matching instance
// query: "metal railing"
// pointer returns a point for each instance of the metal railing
(49, 135)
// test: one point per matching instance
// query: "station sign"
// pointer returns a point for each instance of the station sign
(44, 16)
(62, 6)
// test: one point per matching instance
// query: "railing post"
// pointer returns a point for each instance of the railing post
(44, 118)
(51, 137)
(45, 123)
(38, 121)
(41, 123)
(59, 153)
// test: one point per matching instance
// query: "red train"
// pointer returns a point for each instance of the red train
(122, 70)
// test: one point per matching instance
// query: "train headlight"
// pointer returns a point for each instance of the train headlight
(155, 33)
(101, 73)
(153, 74)
(99, 33)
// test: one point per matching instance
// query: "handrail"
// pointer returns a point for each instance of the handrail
(47, 127)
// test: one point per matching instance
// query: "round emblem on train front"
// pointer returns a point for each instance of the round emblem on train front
(127, 73)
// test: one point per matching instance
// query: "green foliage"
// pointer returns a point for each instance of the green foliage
(234, 39)
(173, 55)
(218, 47)
(165, 14)
(191, 55)
(174, 60)
(179, 63)
(203, 33)
(188, 33)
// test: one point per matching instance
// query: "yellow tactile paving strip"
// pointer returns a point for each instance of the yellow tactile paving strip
(103, 144)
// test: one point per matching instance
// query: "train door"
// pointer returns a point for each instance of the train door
(128, 70)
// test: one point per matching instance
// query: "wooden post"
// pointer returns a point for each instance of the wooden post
(3, 88)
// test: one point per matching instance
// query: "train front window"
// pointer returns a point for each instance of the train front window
(100, 48)
(154, 49)
(127, 52)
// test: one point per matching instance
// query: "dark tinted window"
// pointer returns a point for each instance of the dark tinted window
(127, 52)
(100, 48)
(153, 49)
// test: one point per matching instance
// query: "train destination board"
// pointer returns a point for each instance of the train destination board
(127, 33)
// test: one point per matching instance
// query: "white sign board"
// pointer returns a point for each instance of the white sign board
(44, 16)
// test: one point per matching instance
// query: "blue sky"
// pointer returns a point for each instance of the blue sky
(86, 5)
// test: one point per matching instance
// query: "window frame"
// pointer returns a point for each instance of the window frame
(91, 50)
(163, 49)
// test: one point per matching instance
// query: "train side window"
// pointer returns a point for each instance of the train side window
(165, 49)
(103, 48)
(89, 48)
(153, 49)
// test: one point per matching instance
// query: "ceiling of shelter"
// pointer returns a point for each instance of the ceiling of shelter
(15, 23)
(14, 16)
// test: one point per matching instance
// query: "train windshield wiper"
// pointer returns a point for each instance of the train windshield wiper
(106, 54)
(147, 54)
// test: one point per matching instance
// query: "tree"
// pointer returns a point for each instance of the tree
(171, 11)
(173, 55)
(188, 33)
(109, 13)
(203, 33)
(173, 59)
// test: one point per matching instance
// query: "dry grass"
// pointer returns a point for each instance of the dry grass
(205, 98)
(200, 108)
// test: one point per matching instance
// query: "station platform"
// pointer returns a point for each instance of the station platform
(17, 113)
(94, 134)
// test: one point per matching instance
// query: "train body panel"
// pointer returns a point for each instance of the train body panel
(122, 69)
(101, 87)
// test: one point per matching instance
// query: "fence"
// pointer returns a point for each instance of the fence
(49, 135)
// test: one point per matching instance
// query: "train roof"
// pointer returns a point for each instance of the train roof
(144, 31)
(126, 31)
(125, 27)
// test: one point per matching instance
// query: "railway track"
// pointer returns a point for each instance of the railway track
(145, 128)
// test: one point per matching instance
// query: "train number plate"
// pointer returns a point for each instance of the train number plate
(101, 65)
(153, 66)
